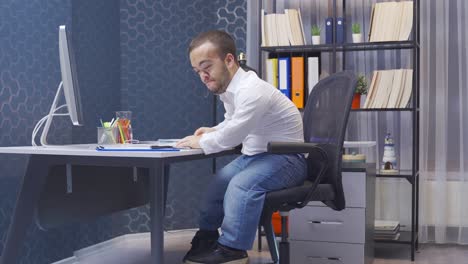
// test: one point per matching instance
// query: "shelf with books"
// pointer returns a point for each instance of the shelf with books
(384, 50)
(392, 47)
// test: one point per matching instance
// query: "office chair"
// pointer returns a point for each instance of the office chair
(325, 118)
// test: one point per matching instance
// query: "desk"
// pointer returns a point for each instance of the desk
(42, 159)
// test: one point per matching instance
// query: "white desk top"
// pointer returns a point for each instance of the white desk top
(90, 150)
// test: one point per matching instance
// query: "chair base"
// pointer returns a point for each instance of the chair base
(284, 252)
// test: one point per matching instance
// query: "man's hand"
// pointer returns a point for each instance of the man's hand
(189, 141)
(203, 130)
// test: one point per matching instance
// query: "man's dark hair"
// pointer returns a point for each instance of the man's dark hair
(220, 39)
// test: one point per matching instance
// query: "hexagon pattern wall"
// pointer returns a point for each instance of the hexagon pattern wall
(158, 84)
(29, 76)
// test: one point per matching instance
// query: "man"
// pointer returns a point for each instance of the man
(256, 113)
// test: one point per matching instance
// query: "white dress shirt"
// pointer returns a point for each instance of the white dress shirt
(256, 113)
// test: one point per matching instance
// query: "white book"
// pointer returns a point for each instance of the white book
(406, 21)
(281, 30)
(385, 20)
(386, 224)
(395, 21)
(376, 24)
(302, 38)
(296, 30)
(397, 87)
(408, 89)
(289, 27)
(372, 24)
(385, 84)
(271, 30)
(371, 93)
(403, 83)
(376, 89)
(398, 20)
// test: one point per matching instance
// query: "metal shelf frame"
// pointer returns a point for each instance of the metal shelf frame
(407, 237)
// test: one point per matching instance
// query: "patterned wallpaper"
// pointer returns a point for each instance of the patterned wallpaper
(159, 86)
(29, 76)
(155, 81)
(96, 39)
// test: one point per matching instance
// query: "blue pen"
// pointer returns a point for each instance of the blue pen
(101, 148)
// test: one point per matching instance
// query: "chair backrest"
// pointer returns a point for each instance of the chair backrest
(325, 119)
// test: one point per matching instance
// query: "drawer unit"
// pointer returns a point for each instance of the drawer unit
(320, 235)
(310, 252)
(324, 224)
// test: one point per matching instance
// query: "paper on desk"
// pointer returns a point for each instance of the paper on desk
(168, 141)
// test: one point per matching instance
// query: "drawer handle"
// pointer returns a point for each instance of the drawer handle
(325, 222)
(318, 259)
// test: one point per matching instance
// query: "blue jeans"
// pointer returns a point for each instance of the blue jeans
(234, 198)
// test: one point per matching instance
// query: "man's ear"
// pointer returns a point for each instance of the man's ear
(230, 60)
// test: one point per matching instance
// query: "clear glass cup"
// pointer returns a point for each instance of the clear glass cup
(107, 135)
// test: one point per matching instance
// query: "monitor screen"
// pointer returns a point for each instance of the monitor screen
(71, 88)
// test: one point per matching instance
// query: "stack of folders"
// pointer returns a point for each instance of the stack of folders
(391, 21)
(390, 89)
(386, 230)
(340, 30)
(288, 75)
(282, 29)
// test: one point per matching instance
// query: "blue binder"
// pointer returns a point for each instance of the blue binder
(329, 30)
(284, 71)
(340, 30)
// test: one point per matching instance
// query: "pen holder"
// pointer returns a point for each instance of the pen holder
(107, 135)
(124, 126)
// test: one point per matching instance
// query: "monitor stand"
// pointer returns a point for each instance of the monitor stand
(48, 118)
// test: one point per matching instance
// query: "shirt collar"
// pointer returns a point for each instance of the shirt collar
(236, 79)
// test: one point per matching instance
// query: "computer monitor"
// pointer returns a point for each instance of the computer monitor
(70, 87)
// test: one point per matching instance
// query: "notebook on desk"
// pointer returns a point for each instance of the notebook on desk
(158, 145)
(163, 142)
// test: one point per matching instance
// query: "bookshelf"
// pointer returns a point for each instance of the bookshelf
(337, 57)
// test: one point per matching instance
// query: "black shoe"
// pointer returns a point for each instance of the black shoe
(221, 255)
(202, 242)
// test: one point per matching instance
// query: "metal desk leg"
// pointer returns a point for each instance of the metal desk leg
(26, 202)
(157, 194)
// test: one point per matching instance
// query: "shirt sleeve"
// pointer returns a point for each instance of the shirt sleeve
(227, 118)
(250, 106)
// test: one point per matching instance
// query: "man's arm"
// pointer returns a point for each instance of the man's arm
(189, 141)
(203, 130)
(193, 140)
(249, 110)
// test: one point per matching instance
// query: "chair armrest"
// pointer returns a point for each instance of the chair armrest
(314, 150)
